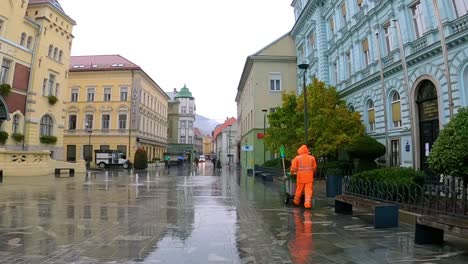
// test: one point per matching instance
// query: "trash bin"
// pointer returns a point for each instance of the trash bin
(334, 185)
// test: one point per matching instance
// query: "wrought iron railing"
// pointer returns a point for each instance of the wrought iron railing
(438, 195)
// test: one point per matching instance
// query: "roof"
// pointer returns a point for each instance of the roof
(197, 132)
(53, 3)
(101, 63)
(184, 93)
(229, 122)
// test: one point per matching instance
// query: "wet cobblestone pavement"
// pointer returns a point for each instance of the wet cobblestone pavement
(184, 216)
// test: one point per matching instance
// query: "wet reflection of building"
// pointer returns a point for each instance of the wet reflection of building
(180, 209)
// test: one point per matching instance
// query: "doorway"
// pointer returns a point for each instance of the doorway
(428, 112)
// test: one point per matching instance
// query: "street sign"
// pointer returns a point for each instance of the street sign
(283, 155)
(247, 148)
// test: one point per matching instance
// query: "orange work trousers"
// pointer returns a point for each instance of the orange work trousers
(308, 194)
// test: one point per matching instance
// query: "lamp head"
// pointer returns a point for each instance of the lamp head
(303, 66)
(264, 110)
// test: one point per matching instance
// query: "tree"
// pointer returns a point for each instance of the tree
(366, 149)
(331, 125)
(449, 154)
(141, 159)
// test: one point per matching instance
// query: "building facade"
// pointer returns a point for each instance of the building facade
(224, 145)
(390, 63)
(266, 75)
(112, 104)
(35, 44)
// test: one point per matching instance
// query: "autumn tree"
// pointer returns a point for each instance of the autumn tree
(330, 124)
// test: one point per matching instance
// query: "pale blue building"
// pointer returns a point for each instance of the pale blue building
(343, 42)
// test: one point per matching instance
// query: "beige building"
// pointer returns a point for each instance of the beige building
(112, 104)
(35, 43)
(266, 75)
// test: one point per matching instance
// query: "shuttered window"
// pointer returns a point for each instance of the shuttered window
(396, 110)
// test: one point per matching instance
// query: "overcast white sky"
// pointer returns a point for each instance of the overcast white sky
(203, 43)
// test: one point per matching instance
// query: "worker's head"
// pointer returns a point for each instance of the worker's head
(303, 150)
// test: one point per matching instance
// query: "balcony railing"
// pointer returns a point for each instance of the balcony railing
(419, 44)
(460, 24)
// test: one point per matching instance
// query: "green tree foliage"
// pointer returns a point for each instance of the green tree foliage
(141, 159)
(449, 154)
(330, 127)
(366, 149)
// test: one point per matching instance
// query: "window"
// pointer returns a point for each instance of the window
(191, 110)
(396, 110)
(122, 149)
(88, 156)
(348, 63)
(335, 72)
(122, 121)
(44, 87)
(51, 84)
(29, 43)
(51, 51)
(107, 94)
(182, 124)
(418, 19)
(365, 52)
(105, 121)
(343, 13)
(360, 4)
(190, 124)
(275, 82)
(190, 140)
(461, 7)
(331, 24)
(2, 25)
(123, 93)
(56, 53)
(46, 126)
(23, 39)
(5, 72)
(351, 108)
(312, 40)
(60, 58)
(72, 122)
(184, 109)
(370, 116)
(182, 139)
(57, 89)
(16, 124)
(89, 121)
(90, 96)
(388, 38)
(395, 152)
(74, 95)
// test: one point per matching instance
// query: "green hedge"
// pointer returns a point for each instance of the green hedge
(392, 175)
(277, 163)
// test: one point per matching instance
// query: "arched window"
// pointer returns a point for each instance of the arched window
(29, 44)
(60, 55)
(56, 53)
(396, 109)
(51, 50)
(370, 116)
(23, 39)
(351, 108)
(46, 125)
(16, 124)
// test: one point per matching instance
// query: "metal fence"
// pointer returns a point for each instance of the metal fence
(438, 195)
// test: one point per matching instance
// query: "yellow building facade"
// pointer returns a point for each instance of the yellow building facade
(112, 104)
(35, 43)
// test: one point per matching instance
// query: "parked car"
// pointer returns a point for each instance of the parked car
(202, 158)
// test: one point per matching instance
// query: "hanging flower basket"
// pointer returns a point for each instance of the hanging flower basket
(53, 99)
(5, 89)
(18, 137)
(3, 137)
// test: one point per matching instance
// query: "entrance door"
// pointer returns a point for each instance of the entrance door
(71, 153)
(428, 110)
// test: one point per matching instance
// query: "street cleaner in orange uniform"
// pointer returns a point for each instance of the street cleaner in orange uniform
(304, 165)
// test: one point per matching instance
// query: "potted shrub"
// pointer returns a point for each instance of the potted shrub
(48, 140)
(18, 137)
(3, 137)
(449, 154)
(365, 149)
(140, 161)
(5, 89)
(53, 99)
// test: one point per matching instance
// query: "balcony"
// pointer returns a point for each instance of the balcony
(360, 14)
(419, 44)
(460, 24)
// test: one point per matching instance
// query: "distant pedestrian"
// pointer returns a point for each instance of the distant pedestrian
(304, 165)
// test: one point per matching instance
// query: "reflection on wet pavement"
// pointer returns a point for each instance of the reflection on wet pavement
(190, 216)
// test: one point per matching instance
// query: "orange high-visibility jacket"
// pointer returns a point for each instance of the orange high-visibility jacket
(304, 165)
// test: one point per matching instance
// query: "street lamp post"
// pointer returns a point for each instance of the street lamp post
(90, 151)
(304, 67)
(264, 131)
(229, 147)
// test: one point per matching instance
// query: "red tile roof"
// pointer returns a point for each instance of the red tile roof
(224, 125)
(101, 63)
